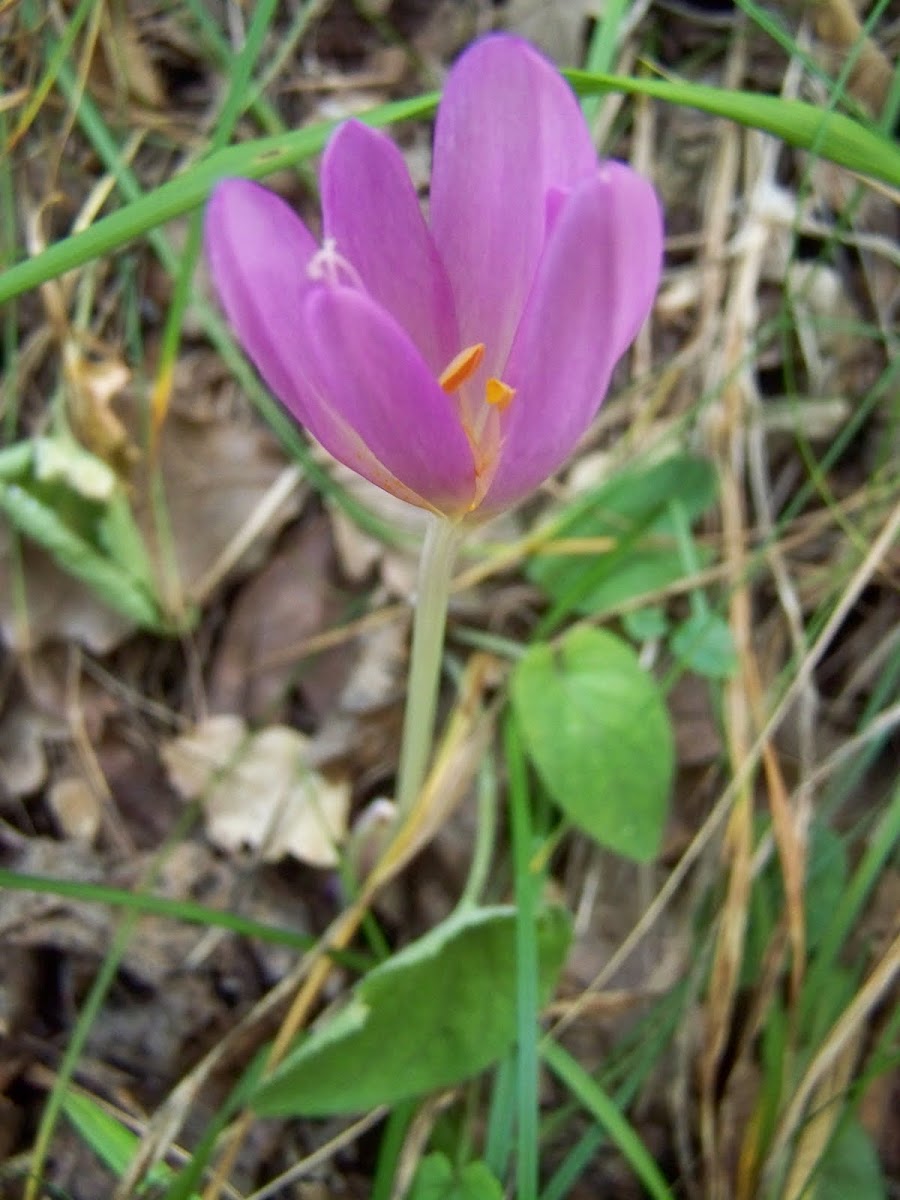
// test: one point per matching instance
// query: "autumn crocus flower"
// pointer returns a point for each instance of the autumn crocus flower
(455, 363)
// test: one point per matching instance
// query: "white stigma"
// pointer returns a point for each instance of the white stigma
(328, 266)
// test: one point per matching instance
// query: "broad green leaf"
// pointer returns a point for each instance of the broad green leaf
(438, 1012)
(634, 509)
(849, 1167)
(596, 728)
(703, 643)
(437, 1179)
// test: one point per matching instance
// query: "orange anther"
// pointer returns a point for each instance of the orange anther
(462, 367)
(498, 393)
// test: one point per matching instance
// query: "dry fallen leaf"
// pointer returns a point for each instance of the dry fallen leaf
(92, 389)
(77, 808)
(57, 606)
(23, 766)
(127, 60)
(253, 669)
(228, 491)
(258, 791)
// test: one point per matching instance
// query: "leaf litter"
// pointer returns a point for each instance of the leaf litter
(264, 570)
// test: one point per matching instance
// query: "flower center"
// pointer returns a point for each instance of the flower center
(461, 368)
(480, 422)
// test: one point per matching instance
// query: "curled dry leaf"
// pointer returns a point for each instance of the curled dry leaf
(258, 790)
(92, 389)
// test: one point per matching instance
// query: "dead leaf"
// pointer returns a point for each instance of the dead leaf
(216, 473)
(76, 807)
(289, 601)
(358, 551)
(92, 388)
(58, 606)
(258, 790)
(127, 62)
(23, 766)
(698, 740)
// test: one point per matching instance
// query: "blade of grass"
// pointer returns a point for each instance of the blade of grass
(170, 342)
(390, 1148)
(608, 1115)
(882, 846)
(222, 52)
(859, 146)
(632, 1061)
(772, 26)
(54, 65)
(232, 107)
(601, 55)
(526, 883)
(835, 136)
(90, 1010)
(252, 160)
(164, 906)
(501, 1122)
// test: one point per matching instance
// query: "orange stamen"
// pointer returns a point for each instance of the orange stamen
(498, 393)
(462, 367)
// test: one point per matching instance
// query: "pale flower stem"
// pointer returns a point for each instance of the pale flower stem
(435, 568)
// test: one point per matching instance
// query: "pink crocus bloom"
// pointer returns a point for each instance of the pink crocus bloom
(457, 362)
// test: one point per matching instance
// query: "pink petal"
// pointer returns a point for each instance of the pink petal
(594, 289)
(372, 384)
(508, 130)
(258, 250)
(373, 213)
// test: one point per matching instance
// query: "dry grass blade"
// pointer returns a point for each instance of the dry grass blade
(840, 1042)
(728, 447)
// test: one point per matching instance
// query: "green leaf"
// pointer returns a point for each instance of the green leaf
(634, 509)
(588, 1092)
(437, 1179)
(703, 643)
(187, 191)
(597, 730)
(113, 1144)
(646, 624)
(70, 502)
(850, 1167)
(438, 1012)
(826, 880)
(35, 513)
(828, 134)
